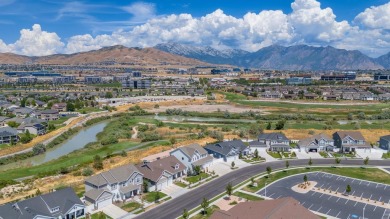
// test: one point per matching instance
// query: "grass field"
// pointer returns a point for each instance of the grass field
(151, 196)
(210, 211)
(195, 179)
(247, 196)
(373, 174)
(131, 206)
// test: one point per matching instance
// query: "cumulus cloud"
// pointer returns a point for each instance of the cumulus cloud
(35, 42)
(375, 17)
(308, 23)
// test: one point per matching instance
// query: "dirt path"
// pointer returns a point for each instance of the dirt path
(135, 134)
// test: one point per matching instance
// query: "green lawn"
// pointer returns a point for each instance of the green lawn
(100, 215)
(89, 110)
(151, 196)
(210, 211)
(323, 154)
(183, 185)
(274, 154)
(386, 155)
(59, 121)
(373, 174)
(247, 196)
(131, 206)
(195, 179)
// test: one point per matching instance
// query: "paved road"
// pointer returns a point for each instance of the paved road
(192, 199)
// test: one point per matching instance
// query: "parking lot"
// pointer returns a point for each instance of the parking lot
(332, 205)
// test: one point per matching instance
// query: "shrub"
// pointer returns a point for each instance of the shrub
(87, 171)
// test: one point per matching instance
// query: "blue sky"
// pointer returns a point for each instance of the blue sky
(42, 27)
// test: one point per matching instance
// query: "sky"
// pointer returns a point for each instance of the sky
(44, 27)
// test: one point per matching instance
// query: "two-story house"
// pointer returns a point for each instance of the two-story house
(316, 143)
(33, 128)
(62, 203)
(275, 141)
(193, 155)
(48, 115)
(60, 107)
(8, 135)
(227, 151)
(162, 172)
(118, 184)
(349, 141)
(384, 142)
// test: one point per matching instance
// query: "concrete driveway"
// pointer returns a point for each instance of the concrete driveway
(306, 155)
(373, 154)
(174, 190)
(114, 211)
(221, 168)
(263, 153)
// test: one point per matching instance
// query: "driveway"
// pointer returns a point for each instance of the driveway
(114, 211)
(373, 154)
(306, 155)
(221, 168)
(263, 153)
(174, 190)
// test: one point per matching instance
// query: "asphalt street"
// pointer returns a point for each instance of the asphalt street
(331, 205)
(174, 208)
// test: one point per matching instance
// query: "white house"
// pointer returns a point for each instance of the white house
(118, 184)
(193, 155)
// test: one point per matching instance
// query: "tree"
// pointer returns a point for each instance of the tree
(350, 116)
(197, 169)
(348, 189)
(269, 170)
(185, 214)
(280, 125)
(108, 95)
(269, 126)
(240, 155)
(305, 178)
(13, 124)
(256, 153)
(253, 180)
(172, 140)
(23, 102)
(366, 161)
(233, 164)
(38, 192)
(70, 107)
(205, 205)
(287, 164)
(310, 162)
(229, 189)
(97, 162)
(39, 149)
(337, 160)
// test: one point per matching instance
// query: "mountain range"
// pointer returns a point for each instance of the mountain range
(300, 57)
(112, 54)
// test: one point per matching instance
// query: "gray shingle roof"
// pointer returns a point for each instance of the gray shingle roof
(275, 136)
(189, 150)
(386, 137)
(30, 208)
(155, 169)
(8, 131)
(225, 147)
(115, 175)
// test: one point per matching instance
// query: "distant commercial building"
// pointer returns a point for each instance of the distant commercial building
(32, 73)
(64, 79)
(382, 77)
(90, 79)
(27, 80)
(136, 84)
(348, 76)
(299, 80)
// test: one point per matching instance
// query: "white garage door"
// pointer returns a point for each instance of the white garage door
(104, 203)
(162, 184)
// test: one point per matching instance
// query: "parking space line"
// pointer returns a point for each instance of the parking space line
(375, 207)
(319, 209)
(360, 182)
(353, 193)
(310, 206)
(330, 197)
(370, 196)
(321, 195)
(353, 180)
(337, 178)
(279, 197)
(355, 204)
(345, 179)
(328, 212)
(346, 201)
(368, 184)
(338, 214)
(380, 199)
(313, 193)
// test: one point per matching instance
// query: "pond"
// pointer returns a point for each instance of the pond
(75, 142)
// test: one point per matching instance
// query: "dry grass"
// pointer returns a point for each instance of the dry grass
(371, 135)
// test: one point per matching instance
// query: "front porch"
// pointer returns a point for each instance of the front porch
(128, 192)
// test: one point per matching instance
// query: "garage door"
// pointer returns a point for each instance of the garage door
(162, 184)
(104, 203)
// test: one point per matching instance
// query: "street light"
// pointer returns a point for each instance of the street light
(364, 208)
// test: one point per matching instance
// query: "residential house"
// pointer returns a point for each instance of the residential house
(384, 142)
(62, 203)
(60, 107)
(161, 173)
(228, 150)
(118, 184)
(8, 134)
(22, 112)
(320, 142)
(193, 155)
(3, 120)
(349, 141)
(275, 141)
(48, 115)
(271, 209)
(33, 128)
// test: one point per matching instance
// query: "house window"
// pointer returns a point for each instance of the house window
(176, 166)
(182, 158)
(113, 186)
(138, 180)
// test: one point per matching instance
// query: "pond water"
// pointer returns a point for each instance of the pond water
(75, 142)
